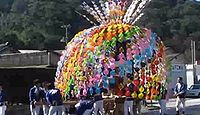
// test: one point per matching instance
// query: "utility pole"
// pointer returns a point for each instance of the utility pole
(193, 60)
(64, 39)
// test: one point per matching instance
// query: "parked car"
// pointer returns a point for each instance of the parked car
(193, 91)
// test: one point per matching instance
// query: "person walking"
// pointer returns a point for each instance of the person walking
(54, 99)
(45, 105)
(163, 100)
(180, 92)
(35, 97)
(2, 101)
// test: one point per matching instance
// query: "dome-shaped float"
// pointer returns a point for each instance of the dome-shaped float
(116, 55)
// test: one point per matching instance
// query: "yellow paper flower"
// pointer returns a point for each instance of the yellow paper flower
(134, 94)
(141, 95)
(141, 89)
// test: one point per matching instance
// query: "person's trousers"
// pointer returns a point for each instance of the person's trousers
(137, 107)
(180, 101)
(128, 107)
(98, 106)
(57, 110)
(162, 104)
(3, 110)
(35, 110)
(88, 112)
(45, 109)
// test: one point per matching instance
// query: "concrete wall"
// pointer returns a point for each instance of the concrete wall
(28, 59)
(18, 70)
(54, 58)
(178, 69)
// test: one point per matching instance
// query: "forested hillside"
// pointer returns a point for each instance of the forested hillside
(36, 24)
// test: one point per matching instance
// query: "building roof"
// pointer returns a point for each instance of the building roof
(29, 51)
(33, 67)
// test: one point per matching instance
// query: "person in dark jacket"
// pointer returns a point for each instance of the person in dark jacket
(180, 92)
(54, 99)
(45, 105)
(85, 104)
(2, 101)
(35, 97)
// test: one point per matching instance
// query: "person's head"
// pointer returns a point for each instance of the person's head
(36, 82)
(45, 84)
(179, 80)
(50, 86)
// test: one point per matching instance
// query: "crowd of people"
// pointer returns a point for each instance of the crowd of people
(49, 99)
(46, 97)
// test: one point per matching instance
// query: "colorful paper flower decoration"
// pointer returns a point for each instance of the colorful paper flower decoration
(116, 55)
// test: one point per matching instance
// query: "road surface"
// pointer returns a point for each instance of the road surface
(192, 107)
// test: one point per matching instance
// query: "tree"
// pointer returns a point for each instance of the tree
(5, 5)
(12, 39)
(176, 21)
(39, 21)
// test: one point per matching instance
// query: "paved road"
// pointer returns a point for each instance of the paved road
(192, 107)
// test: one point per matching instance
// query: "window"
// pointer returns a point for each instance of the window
(195, 87)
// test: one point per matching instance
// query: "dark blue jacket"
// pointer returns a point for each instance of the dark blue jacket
(181, 90)
(43, 94)
(84, 105)
(2, 97)
(54, 97)
(35, 94)
(98, 97)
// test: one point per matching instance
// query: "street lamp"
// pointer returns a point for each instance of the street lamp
(64, 39)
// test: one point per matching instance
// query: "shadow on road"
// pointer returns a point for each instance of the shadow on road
(190, 110)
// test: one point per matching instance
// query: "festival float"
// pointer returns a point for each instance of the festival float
(114, 54)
